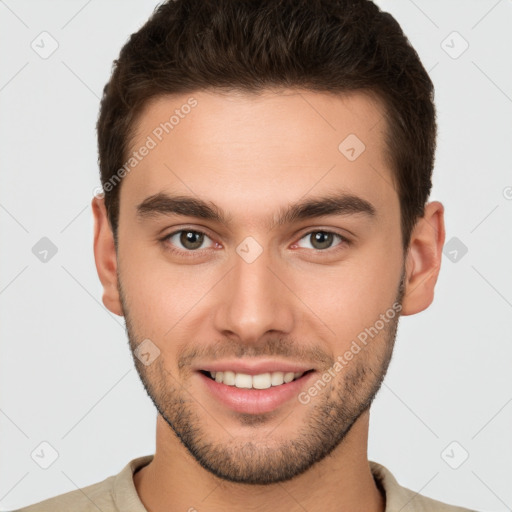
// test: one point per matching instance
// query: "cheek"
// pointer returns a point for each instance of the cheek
(160, 294)
(351, 297)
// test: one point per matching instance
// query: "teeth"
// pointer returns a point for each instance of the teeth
(261, 381)
(276, 378)
(229, 378)
(243, 380)
(288, 377)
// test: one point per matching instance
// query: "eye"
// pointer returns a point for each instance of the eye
(190, 240)
(321, 239)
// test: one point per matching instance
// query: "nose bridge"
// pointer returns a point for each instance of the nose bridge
(253, 301)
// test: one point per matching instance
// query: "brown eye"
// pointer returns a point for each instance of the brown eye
(321, 240)
(188, 240)
(191, 239)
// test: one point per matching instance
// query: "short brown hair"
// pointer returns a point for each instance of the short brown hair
(251, 45)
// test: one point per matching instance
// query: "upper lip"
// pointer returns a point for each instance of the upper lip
(254, 367)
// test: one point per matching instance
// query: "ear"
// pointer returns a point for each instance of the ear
(105, 256)
(423, 260)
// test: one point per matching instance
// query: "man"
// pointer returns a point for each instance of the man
(266, 168)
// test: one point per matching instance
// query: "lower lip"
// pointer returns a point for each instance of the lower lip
(255, 401)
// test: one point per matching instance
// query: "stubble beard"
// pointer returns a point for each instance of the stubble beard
(275, 458)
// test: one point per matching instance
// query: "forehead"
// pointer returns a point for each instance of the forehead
(247, 150)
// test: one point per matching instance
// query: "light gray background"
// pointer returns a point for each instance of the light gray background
(66, 374)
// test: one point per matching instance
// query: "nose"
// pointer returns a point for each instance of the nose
(253, 301)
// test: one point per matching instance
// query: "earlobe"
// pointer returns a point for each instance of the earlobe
(423, 260)
(105, 257)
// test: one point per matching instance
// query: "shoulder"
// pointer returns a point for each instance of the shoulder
(87, 499)
(117, 492)
(404, 499)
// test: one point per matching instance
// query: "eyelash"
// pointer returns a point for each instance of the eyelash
(198, 252)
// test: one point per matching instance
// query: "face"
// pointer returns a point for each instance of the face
(257, 244)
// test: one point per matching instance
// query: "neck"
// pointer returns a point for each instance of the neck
(342, 481)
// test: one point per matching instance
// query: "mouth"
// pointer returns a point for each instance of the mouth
(259, 381)
(258, 392)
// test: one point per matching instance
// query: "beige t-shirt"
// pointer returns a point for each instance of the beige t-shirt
(118, 494)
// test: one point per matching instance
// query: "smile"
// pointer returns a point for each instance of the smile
(260, 381)
(255, 391)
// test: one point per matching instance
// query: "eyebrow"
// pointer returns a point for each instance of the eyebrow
(162, 204)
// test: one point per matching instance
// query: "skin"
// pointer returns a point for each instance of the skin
(252, 156)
